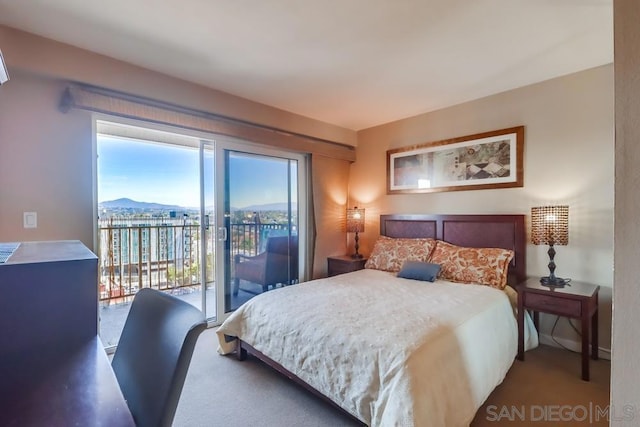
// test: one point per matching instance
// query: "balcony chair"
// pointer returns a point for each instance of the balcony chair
(153, 355)
(277, 264)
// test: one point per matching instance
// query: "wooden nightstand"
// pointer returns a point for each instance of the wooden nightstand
(344, 264)
(577, 300)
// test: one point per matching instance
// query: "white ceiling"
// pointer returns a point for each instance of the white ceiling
(353, 63)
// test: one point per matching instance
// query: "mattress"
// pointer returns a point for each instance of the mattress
(390, 351)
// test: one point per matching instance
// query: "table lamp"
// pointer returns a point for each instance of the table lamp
(550, 226)
(355, 224)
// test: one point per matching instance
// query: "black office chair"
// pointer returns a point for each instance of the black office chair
(154, 353)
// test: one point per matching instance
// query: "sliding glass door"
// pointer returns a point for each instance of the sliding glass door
(262, 222)
(211, 220)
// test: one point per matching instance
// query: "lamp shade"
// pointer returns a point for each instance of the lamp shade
(550, 225)
(355, 220)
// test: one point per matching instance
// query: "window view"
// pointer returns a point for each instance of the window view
(158, 227)
(149, 225)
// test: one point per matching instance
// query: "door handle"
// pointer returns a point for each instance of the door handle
(222, 234)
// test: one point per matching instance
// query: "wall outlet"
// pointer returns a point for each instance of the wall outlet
(30, 220)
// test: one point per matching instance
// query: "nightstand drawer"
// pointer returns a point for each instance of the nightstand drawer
(336, 269)
(344, 264)
(561, 306)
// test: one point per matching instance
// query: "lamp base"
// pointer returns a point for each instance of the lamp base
(356, 256)
(554, 282)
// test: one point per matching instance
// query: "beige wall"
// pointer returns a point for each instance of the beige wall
(46, 156)
(56, 60)
(625, 376)
(45, 163)
(569, 148)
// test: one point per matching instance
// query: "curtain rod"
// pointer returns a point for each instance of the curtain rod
(102, 100)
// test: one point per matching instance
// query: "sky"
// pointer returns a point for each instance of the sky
(167, 174)
(256, 180)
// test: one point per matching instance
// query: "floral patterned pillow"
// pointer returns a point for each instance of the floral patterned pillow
(390, 253)
(485, 266)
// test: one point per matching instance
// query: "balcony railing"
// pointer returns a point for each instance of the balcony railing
(159, 254)
(164, 253)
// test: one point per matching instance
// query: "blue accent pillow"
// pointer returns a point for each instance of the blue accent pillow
(418, 270)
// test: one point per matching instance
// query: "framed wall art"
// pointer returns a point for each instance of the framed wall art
(474, 162)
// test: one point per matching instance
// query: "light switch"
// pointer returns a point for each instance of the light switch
(30, 220)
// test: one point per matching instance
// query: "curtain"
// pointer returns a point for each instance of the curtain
(330, 182)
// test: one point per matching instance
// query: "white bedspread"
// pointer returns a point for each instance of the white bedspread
(391, 351)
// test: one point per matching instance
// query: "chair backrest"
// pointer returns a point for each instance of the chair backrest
(282, 251)
(153, 355)
(283, 245)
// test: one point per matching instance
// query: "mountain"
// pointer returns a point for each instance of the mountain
(270, 207)
(125, 203)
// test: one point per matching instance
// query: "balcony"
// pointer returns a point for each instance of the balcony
(164, 254)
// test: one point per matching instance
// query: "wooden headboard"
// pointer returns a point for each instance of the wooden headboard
(477, 231)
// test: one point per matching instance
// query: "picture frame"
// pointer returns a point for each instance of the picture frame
(474, 162)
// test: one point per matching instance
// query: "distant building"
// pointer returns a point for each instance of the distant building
(140, 245)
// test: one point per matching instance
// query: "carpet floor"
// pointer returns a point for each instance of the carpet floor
(544, 390)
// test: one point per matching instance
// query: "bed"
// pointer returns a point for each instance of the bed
(389, 350)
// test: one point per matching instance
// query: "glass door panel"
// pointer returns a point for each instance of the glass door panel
(155, 205)
(262, 225)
